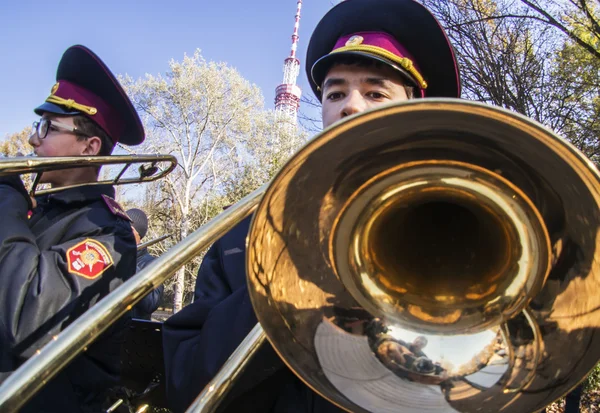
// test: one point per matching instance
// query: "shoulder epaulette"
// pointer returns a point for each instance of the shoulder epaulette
(115, 208)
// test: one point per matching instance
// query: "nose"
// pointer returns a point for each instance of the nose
(34, 139)
(354, 103)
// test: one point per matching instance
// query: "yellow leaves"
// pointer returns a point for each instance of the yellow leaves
(485, 7)
(581, 19)
(588, 37)
(16, 143)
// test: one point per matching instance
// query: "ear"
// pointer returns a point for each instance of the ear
(92, 146)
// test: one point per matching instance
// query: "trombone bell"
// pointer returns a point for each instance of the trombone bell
(432, 245)
(435, 255)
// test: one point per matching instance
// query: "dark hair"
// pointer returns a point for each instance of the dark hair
(365, 62)
(91, 128)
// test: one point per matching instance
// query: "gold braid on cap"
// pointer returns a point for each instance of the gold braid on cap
(69, 103)
(405, 62)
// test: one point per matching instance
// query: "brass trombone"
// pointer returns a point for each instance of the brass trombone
(153, 241)
(150, 168)
(459, 225)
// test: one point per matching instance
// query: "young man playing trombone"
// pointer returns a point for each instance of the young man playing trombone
(77, 245)
(362, 54)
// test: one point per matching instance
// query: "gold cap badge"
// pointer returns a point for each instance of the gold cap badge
(354, 40)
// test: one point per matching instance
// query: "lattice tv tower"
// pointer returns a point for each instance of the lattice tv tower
(287, 94)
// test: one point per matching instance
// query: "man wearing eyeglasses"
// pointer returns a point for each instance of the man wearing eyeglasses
(62, 253)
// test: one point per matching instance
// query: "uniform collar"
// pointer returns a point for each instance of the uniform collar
(79, 194)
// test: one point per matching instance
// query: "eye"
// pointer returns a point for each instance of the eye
(334, 96)
(376, 95)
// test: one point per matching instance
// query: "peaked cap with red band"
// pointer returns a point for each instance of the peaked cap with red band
(400, 33)
(85, 86)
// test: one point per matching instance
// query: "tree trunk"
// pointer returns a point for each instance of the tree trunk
(179, 289)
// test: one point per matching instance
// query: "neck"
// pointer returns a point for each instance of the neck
(75, 177)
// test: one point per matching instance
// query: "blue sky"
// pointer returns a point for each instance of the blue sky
(138, 37)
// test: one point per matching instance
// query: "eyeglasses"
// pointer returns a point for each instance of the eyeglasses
(43, 126)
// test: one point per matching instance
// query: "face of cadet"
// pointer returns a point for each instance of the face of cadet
(61, 142)
(136, 235)
(349, 89)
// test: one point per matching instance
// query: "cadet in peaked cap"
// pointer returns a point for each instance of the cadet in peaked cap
(363, 53)
(86, 102)
(77, 246)
(378, 51)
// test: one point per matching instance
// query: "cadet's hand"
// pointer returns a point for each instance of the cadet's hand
(15, 182)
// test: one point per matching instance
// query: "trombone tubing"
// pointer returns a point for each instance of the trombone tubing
(22, 384)
(152, 242)
(215, 391)
(26, 164)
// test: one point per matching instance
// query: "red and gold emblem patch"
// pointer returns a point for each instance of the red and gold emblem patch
(88, 259)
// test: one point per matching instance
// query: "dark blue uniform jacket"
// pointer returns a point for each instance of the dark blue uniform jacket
(199, 339)
(41, 292)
